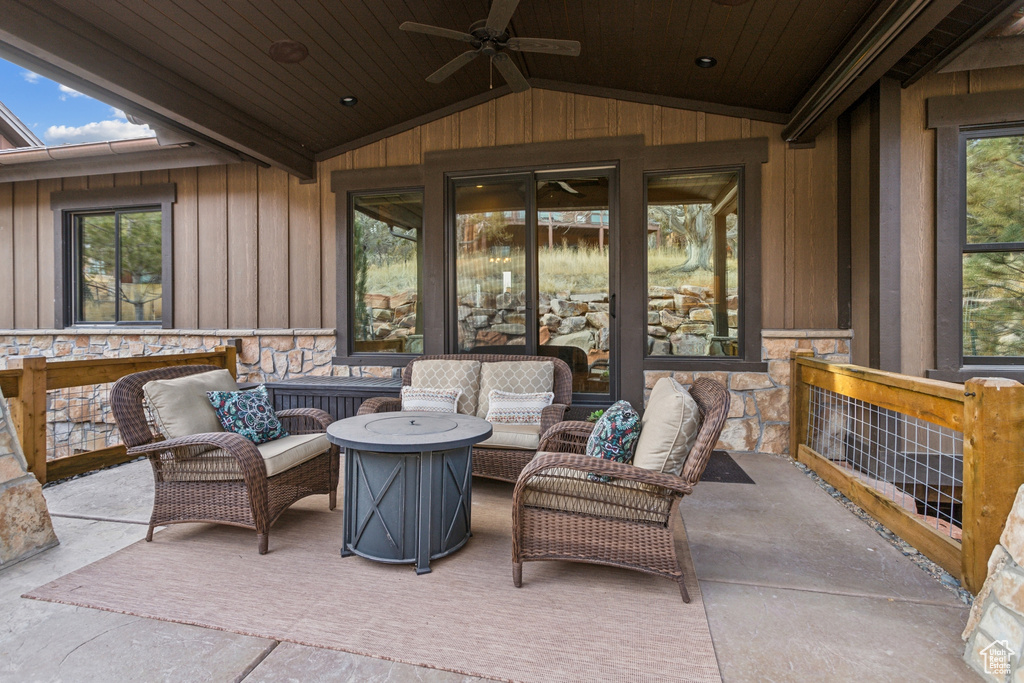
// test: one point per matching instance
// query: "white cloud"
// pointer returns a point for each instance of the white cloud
(30, 76)
(97, 131)
(67, 92)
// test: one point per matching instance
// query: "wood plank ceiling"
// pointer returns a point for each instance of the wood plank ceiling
(769, 53)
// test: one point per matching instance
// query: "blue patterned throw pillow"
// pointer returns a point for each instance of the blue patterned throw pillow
(247, 413)
(614, 436)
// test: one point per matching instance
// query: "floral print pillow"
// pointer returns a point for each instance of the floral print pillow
(614, 436)
(247, 413)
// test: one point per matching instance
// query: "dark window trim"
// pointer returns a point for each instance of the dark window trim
(742, 340)
(66, 203)
(955, 118)
(345, 185)
(746, 156)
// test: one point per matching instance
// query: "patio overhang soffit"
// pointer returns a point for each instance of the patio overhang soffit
(202, 68)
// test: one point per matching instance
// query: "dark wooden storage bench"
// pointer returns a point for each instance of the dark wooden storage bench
(339, 396)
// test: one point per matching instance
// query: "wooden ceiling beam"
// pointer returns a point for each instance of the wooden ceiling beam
(891, 31)
(59, 45)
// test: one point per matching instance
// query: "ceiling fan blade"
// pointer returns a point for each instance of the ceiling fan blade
(500, 14)
(569, 48)
(452, 66)
(511, 73)
(436, 31)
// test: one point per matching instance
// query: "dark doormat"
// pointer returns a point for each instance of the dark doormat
(722, 469)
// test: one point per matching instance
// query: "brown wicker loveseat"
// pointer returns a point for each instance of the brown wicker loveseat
(559, 513)
(491, 459)
(222, 477)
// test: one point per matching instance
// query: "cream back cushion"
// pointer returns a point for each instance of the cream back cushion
(180, 406)
(463, 375)
(517, 377)
(668, 429)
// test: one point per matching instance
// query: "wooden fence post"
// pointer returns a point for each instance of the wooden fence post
(29, 411)
(798, 402)
(993, 468)
(230, 358)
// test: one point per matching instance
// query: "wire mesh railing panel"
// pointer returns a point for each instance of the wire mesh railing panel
(916, 464)
(79, 419)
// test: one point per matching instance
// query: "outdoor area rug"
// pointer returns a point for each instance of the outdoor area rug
(569, 622)
(722, 469)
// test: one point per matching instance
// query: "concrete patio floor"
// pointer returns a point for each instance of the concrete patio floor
(796, 589)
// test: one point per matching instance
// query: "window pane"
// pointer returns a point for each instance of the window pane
(96, 266)
(572, 258)
(490, 265)
(692, 268)
(141, 266)
(995, 189)
(994, 304)
(386, 284)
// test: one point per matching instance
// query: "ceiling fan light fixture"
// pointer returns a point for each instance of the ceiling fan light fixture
(705, 62)
(288, 51)
(349, 100)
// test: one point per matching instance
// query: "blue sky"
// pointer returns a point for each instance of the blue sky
(59, 115)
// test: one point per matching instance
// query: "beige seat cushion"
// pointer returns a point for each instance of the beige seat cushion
(518, 437)
(180, 406)
(517, 377)
(571, 491)
(450, 374)
(668, 429)
(279, 455)
(287, 452)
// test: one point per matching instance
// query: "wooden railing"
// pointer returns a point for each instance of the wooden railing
(989, 413)
(27, 379)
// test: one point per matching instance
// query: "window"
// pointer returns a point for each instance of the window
(118, 266)
(993, 246)
(532, 269)
(693, 295)
(386, 281)
(116, 256)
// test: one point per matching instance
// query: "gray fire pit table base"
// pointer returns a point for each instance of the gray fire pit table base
(408, 484)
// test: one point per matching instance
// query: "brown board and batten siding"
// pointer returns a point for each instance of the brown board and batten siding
(254, 248)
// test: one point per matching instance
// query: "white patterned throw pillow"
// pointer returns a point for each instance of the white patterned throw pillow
(430, 400)
(505, 407)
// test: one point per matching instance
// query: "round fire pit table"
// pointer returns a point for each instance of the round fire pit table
(408, 484)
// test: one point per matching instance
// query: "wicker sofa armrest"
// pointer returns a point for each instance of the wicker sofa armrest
(380, 404)
(250, 461)
(569, 436)
(551, 416)
(305, 420)
(586, 463)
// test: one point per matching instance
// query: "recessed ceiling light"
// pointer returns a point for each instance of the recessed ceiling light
(349, 100)
(288, 51)
(705, 62)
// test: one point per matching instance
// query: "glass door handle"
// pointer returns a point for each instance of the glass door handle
(611, 305)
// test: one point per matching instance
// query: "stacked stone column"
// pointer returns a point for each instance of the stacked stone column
(25, 527)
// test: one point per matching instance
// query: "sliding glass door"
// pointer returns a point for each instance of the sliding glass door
(532, 269)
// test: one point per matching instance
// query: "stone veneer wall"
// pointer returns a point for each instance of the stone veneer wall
(79, 418)
(759, 412)
(998, 610)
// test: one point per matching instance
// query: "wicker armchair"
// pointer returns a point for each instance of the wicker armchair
(219, 477)
(503, 464)
(558, 513)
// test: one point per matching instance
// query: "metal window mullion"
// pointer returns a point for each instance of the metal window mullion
(117, 267)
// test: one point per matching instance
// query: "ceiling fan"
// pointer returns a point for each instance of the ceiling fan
(490, 38)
